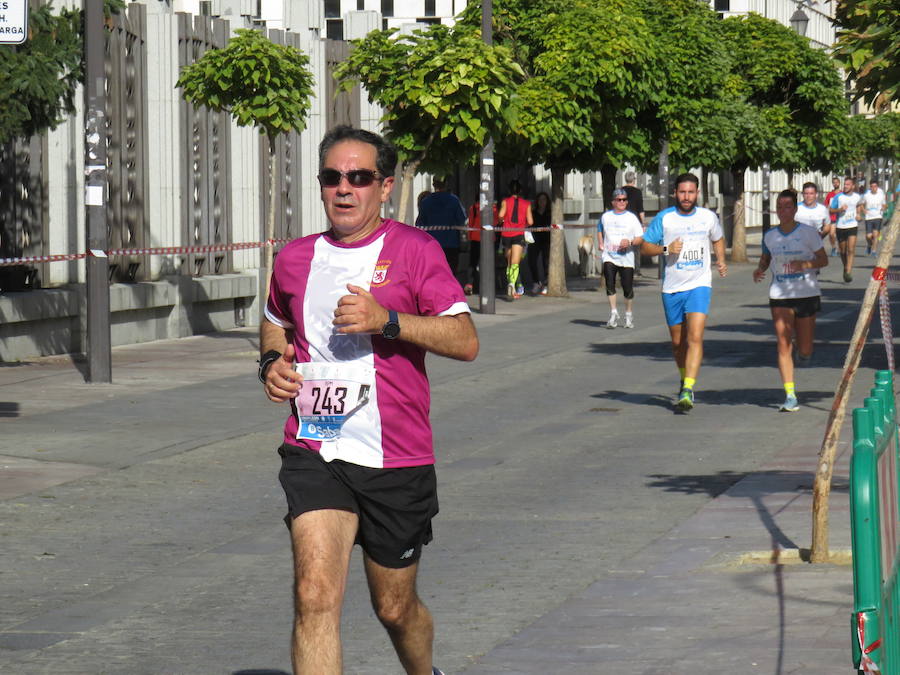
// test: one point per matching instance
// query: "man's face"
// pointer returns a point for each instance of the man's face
(354, 212)
(686, 196)
(620, 204)
(849, 185)
(786, 210)
(835, 183)
(873, 186)
(809, 196)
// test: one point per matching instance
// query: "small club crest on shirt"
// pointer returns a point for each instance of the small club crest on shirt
(379, 278)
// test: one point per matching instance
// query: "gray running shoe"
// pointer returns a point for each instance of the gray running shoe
(613, 320)
(629, 320)
(790, 404)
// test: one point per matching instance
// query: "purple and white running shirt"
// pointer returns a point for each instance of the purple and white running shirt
(405, 270)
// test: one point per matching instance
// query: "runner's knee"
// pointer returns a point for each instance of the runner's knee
(316, 597)
(394, 612)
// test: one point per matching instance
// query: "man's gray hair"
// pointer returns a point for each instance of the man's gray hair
(630, 176)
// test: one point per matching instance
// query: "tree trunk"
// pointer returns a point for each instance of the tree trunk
(739, 231)
(270, 221)
(556, 274)
(608, 179)
(403, 208)
(822, 486)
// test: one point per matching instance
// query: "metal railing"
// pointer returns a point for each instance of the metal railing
(874, 525)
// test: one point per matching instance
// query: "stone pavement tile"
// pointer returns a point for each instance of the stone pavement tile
(20, 476)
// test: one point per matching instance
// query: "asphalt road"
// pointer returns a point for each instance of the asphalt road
(141, 521)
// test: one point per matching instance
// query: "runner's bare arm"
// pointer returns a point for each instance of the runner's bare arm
(719, 248)
(451, 336)
(282, 381)
(764, 261)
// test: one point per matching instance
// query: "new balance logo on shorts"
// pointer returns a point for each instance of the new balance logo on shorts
(407, 554)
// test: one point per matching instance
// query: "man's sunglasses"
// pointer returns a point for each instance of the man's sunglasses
(357, 178)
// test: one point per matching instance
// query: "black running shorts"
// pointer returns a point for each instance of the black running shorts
(395, 506)
(517, 240)
(844, 233)
(803, 307)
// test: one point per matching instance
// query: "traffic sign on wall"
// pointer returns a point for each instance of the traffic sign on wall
(13, 21)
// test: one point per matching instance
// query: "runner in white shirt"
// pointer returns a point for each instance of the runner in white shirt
(875, 203)
(846, 206)
(617, 232)
(794, 252)
(684, 235)
(811, 212)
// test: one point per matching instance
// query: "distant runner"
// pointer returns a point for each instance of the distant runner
(618, 231)
(795, 253)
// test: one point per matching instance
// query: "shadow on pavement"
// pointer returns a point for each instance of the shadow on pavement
(9, 409)
(263, 671)
(764, 398)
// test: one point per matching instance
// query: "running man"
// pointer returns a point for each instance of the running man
(874, 203)
(621, 230)
(810, 212)
(795, 253)
(350, 317)
(683, 234)
(515, 214)
(847, 207)
(835, 189)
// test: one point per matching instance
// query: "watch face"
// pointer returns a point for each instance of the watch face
(391, 330)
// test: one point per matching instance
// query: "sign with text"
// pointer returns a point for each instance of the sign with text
(13, 21)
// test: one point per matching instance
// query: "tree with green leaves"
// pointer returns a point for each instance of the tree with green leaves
(868, 48)
(38, 78)
(589, 73)
(781, 104)
(442, 90)
(261, 84)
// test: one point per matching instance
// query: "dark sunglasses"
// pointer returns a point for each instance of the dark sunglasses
(620, 199)
(357, 178)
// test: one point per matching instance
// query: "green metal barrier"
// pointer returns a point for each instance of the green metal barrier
(874, 514)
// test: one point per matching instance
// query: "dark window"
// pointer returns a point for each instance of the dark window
(360, 5)
(387, 8)
(428, 20)
(723, 5)
(332, 9)
(334, 29)
(384, 25)
(429, 8)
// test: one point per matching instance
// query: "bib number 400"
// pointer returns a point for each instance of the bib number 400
(328, 401)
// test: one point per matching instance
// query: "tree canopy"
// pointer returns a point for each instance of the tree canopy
(38, 78)
(868, 47)
(258, 82)
(442, 90)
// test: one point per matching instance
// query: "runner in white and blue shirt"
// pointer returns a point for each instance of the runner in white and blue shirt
(794, 252)
(684, 234)
(846, 206)
(813, 213)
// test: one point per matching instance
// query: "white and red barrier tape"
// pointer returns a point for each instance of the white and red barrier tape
(215, 248)
(884, 311)
(159, 250)
(866, 664)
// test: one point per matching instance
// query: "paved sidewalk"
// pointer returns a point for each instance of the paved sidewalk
(724, 592)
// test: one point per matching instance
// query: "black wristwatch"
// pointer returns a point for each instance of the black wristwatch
(265, 361)
(391, 330)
